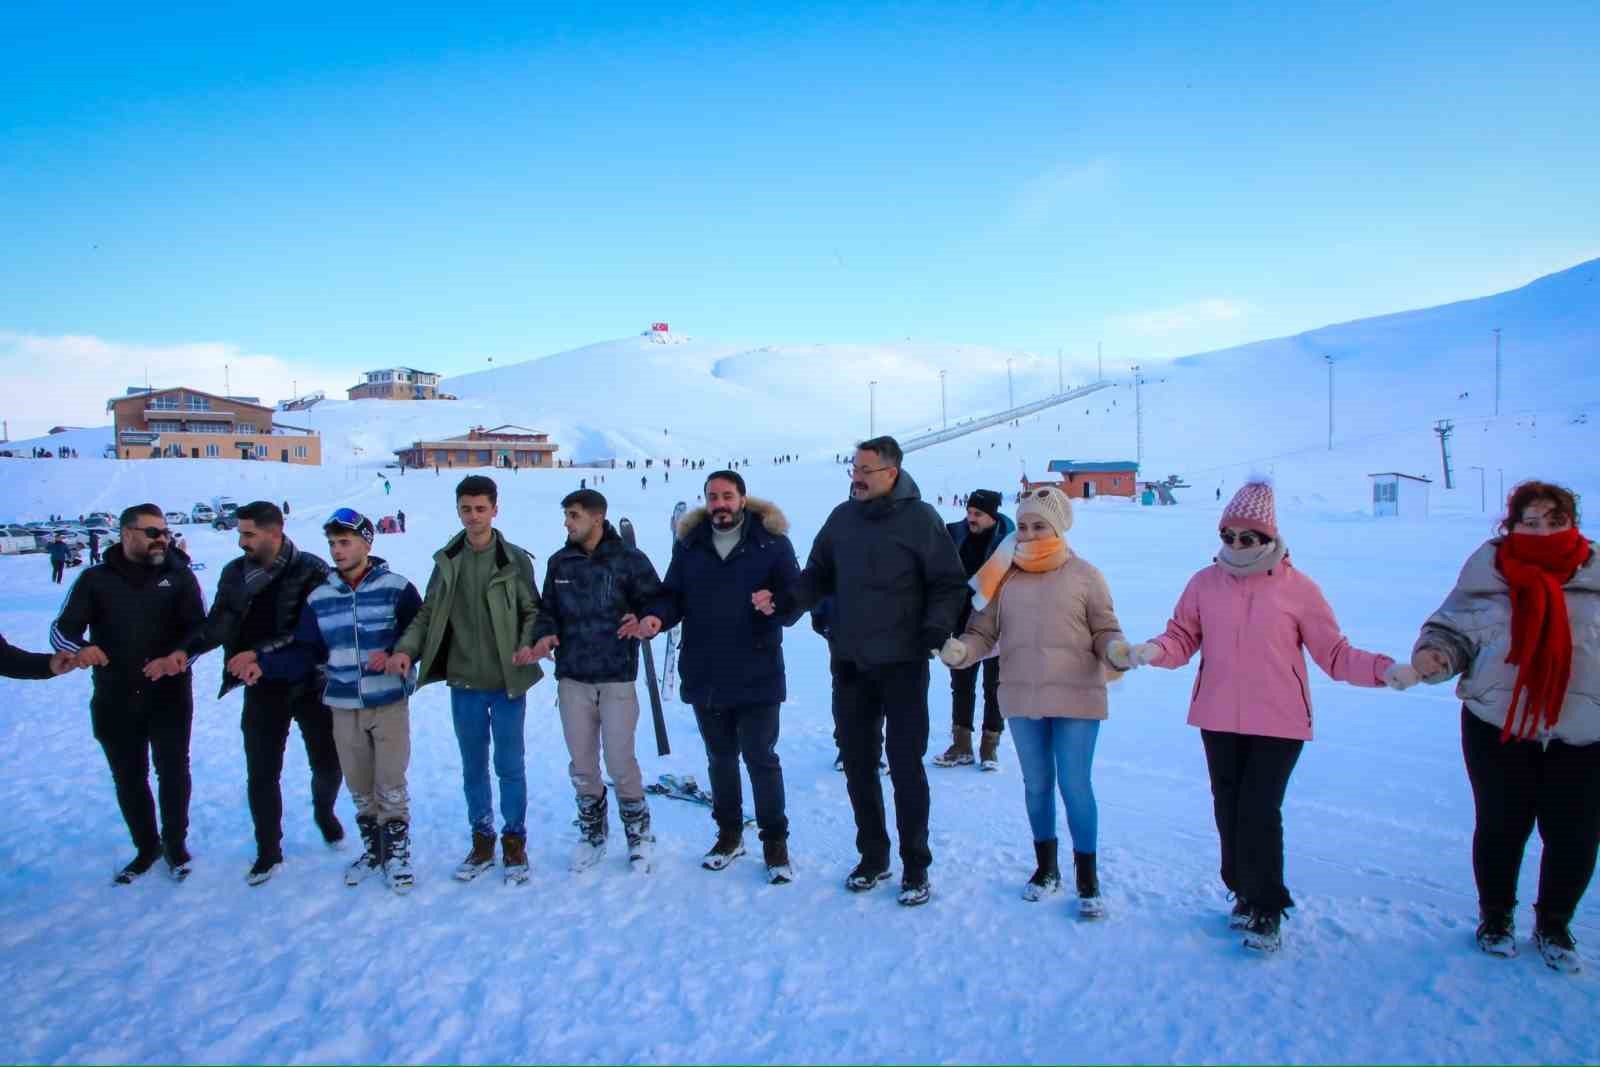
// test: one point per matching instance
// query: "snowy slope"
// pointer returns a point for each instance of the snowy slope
(692, 966)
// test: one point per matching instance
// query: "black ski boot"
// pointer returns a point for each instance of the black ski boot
(641, 842)
(371, 858)
(1046, 879)
(1091, 905)
(593, 826)
(397, 855)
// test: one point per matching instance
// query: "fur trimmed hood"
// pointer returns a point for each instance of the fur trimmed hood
(772, 517)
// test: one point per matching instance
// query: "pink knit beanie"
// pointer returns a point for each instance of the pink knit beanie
(1252, 508)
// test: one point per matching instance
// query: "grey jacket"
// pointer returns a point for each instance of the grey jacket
(1472, 630)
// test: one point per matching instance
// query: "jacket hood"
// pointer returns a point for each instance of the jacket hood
(773, 520)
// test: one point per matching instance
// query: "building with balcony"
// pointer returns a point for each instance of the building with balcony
(183, 423)
(396, 383)
(503, 446)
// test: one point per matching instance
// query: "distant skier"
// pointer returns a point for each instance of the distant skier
(642, 481)
(400, 517)
(386, 487)
(94, 546)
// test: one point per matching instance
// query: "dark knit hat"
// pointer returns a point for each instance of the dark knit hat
(985, 500)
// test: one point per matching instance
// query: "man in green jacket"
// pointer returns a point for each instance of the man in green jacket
(475, 632)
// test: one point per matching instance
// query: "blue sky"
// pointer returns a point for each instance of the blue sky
(316, 193)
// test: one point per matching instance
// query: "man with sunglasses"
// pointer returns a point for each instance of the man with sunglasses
(140, 600)
(259, 598)
(898, 589)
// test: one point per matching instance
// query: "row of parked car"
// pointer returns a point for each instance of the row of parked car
(34, 536)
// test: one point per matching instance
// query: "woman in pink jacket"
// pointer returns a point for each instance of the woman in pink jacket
(1252, 616)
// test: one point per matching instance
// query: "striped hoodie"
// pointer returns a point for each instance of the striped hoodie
(340, 627)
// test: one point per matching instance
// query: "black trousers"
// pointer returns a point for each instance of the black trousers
(878, 708)
(268, 711)
(57, 570)
(964, 696)
(750, 730)
(1517, 785)
(1249, 776)
(132, 739)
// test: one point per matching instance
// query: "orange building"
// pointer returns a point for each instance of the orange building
(503, 446)
(1088, 480)
(183, 423)
(396, 383)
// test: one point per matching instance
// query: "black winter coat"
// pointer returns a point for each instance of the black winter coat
(585, 597)
(731, 653)
(302, 573)
(16, 663)
(893, 574)
(134, 614)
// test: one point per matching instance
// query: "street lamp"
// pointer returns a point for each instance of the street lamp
(1483, 499)
(1330, 402)
(1496, 332)
(872, 408)
(944, 410)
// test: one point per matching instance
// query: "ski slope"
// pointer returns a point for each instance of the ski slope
(686, 965)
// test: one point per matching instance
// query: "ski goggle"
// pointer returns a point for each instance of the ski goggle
(352, 520)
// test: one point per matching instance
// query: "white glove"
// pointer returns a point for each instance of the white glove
(954, 653)
(1120, 655)
(1401, 676)
(1145, 653)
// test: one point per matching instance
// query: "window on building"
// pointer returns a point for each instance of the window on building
(261, 451)
(165, 403)
(199, 403)
(165, 426)
(461, 454)
(211, 451)
(245, 428)
(299, 451)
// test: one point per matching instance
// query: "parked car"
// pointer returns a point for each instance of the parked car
(202, 513)
(176, 518)
(17, 539)
(230, 521)
(101, 518)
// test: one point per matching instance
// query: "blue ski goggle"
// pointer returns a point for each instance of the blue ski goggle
(352, 520)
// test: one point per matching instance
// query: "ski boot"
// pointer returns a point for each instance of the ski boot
(592, 829)
(641, 842)
(371, 859)
(397, 855)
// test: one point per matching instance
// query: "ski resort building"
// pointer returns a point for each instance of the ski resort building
(396, 383)
(1396, 495)
(183, 423)
(1088, 480)
(504, 446)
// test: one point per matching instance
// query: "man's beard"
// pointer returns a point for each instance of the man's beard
(727, 520)
(155, 557)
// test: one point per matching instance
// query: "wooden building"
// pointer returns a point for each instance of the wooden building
(503, 446)
(184, 423)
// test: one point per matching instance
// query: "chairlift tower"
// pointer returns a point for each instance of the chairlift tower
(1444, 427)
(1138, 416)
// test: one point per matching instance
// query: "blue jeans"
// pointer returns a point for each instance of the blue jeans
(1058, 752)
(482, 714)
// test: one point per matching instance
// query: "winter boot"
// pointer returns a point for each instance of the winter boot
(480, 859)
(1552, 936)
(397, 855)
(592, 829)
(641, 842)
(1046, 880)
(776, 854)
(1239, 917)
(371, 859)
(867, 874)
(514, 855)
(179, 862)
(989, 751)
(959, 754)
(1263, 932)
(330, 826)
(138, 866)
(265, 866)
(729, 847)
(1091, 905)
(1497, 933)
(915, 889)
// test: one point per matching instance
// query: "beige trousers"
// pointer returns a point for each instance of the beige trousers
(596, 716)
(374, 750)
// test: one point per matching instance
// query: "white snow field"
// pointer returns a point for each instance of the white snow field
(686, 965)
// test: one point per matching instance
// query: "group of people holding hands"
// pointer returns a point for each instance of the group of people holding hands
(339, 650)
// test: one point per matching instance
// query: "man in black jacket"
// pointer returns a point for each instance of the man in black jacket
(897, 588)
(976, 537)
(15, 663)
(595, 589)
(732, 660)
(142, 599)
(259, 599)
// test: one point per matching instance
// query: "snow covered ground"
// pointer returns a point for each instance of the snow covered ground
(686, 965)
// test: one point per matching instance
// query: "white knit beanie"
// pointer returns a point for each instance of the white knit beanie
(1049, 504)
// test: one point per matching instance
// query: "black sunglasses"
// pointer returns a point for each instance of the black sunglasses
(154, 533)
(1247, 539)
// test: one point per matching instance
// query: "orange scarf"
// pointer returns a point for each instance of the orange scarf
(1035, 557)
(1541, 637)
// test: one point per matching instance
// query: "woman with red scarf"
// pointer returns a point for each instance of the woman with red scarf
(1519, 628)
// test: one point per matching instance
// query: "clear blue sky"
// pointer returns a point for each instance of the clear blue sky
(340, 190)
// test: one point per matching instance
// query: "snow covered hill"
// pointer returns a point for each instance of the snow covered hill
(698, 967)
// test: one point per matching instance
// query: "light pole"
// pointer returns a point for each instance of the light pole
(1483, 499)
(1138, 416)
(1011, 396)
(872, 409)
(1330, 402)
(1496, 332)
(944, 410)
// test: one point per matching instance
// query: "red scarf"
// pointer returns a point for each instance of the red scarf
(1536, 568)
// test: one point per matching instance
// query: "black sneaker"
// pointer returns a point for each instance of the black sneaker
(1497, 934)
(1239, 917)
(263, 869)
(332, 829)
(866, 875)
(915, 889)
(179, 862)
(1557, 947)
(1262, 934)
(137, 867)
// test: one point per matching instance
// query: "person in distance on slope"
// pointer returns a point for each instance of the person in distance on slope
(732, 661)
(1522, 630)
(595, 588)
(1049, 612)
(349, 625)
(1252, 615)
(15, 663)
(474, 632)
(141, 600)
(976, 537)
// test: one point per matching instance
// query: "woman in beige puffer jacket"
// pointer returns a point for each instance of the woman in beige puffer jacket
(1049, 612)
